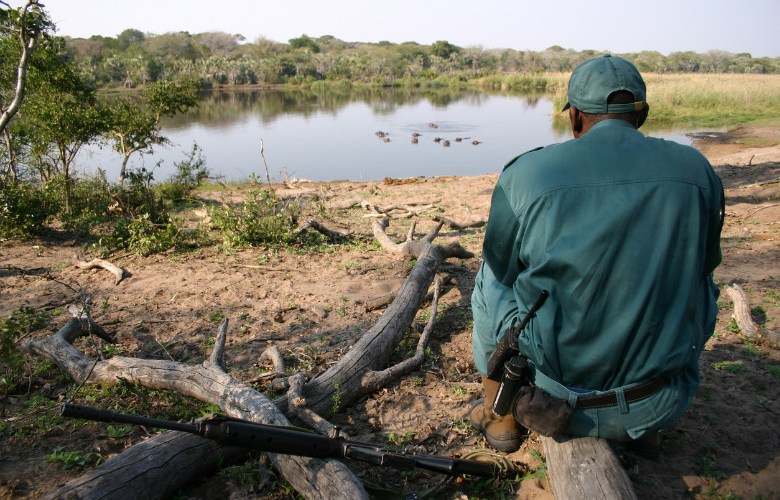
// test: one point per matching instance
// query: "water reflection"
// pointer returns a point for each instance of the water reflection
(332, 135)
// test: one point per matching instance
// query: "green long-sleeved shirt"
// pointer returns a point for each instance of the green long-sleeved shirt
(624, 231)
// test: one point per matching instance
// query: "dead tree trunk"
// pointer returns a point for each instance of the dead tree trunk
(358, 372)
(585, 468)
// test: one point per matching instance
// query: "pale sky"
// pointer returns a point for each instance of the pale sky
(603, 25)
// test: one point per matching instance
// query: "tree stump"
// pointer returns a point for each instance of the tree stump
(585, 468)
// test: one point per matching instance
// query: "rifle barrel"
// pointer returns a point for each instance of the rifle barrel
(90, 413)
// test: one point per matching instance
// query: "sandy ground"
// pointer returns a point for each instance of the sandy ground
(313, 305)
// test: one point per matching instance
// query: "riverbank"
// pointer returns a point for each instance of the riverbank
(313, 304)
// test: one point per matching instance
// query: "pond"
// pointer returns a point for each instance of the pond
(357, 135)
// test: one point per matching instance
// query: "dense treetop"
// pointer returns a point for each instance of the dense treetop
(136, 58)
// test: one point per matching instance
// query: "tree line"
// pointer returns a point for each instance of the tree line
(216, 58)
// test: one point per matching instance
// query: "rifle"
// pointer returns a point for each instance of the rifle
(286, 440)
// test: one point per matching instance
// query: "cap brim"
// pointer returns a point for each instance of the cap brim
(568, 105)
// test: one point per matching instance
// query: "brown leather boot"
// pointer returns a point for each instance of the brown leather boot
(502, 433)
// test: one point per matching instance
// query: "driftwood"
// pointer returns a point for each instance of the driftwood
(361, 371)
(585, 468)
(118, 272)
(744, 319)
(742, 311)
(415, 248)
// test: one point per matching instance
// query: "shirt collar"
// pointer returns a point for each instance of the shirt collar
(612, 122)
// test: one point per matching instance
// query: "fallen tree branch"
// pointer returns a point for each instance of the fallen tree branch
(297, 406)
(763, 207)
(373, 380)
(458, 226)
(413, 248)
(374, 303)
(273, 355)
(342, 384)
(333, 234)
(313, 478)
(744, 319)
(118, 272)
(352, 377)
(128, 476)
(742, 311)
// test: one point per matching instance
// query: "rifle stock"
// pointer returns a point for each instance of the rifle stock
(289, 441)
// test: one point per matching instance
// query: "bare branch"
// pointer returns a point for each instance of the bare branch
(118, 272)
(456, 225)
(333, 234)
(373, 380)
(218, 354)
(262, 154)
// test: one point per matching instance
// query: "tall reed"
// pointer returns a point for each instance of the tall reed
(713, 99)
(706, 99)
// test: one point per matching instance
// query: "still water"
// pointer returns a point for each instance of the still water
(329, 136)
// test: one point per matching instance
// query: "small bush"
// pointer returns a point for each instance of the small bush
(140, 198)
(190, 174)
(261, 219)
(24, 209)
(90, 202)
(143, 236)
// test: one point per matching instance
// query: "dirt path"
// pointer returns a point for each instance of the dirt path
(313, 305)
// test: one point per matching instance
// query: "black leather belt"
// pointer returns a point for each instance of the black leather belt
(632, 395)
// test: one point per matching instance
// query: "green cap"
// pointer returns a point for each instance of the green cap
(594, 80)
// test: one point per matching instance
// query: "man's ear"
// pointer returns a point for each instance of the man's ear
(643, 115)
(576, 120)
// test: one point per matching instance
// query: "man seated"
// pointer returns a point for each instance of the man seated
(623, 231)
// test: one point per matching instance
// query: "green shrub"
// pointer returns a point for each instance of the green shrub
(261, 219)
(24, 209)
(190, 174)
(140, 198)
(91, 198)
(144, 237)
(729, 366)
